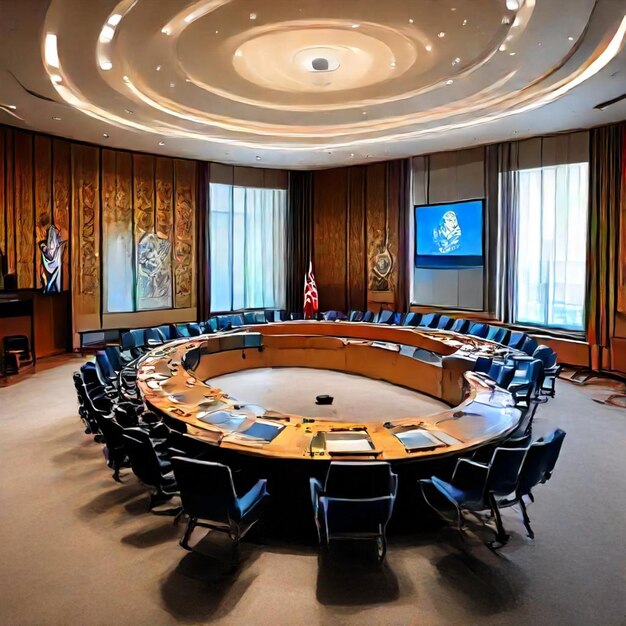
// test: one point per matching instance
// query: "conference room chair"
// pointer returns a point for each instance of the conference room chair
(526, 381)
(210, 500)
(105, 369)
(529, 346)
(499, 334)
(430, 320)
(412, 318)
(482, 364)
(130, 351)
(476, 487)
(114, 451)
(355, 502)
(139, 335)
(117, 360)
(248, 317)
(154, 337)
(89, 423)
(182, 331)
(445, 322)
(296, 316)
(397, 318)
(333, 316)
(16, 353)
(516, 340)
(166, 332)
(368, 316)
(537, 469)
(194, 329)
(153, 472)
(236, 319)
(212, 323)
(478, 330)
(551, 369)
(95, 384)
(460, 325)
(355, 316)
(384, 317)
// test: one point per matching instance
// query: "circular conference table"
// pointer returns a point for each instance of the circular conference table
(171, 380)
(287, 450)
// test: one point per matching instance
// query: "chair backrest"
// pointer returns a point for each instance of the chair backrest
(504, 470)
(412, 318)
(331, 316)
(540, 461)
(398, 318)
(444, 322)
(206, 489)
(359, 480)
(248, 317)
(546, 355)
(16, 343)
(182, 330)
(166, 331)
(236, 319)
(143, 458)
(259, 317)
(113, 354)
(430, 320)
(529, 346)
(505, 376)
(355, 316)
(139, 337)
(103, 363)
(368, 316)
(357, 517)
(478, 330)
(384, 317)
(153, 335)
(460, 326)
(483, 363)
(194, 329)
(127, 340)
(516, 340)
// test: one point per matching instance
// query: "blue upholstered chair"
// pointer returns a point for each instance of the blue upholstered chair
(460, 326)
(430, 320)
(537, 469)
(476, 487)
(412, 318)
(166, 331)
(369, 316)
(516, 340)
(194, 329)
(551, 369)
(482, 364)
(355, 316)
(209, 498)
(105, 369)
(529, 346)
(296, 316)
(478, 330)
(445, 322)
(384, 317)
(355, 502)
(333, 316)
(527, 379)
(248, 317)
(236, 319)
(153, 337)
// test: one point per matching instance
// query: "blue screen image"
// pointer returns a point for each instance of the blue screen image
(449, 230)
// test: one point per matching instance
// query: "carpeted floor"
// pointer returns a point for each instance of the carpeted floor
(77, 548)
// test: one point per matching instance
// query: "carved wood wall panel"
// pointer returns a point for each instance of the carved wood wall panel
(330, 201)
(43, 197)
(357, 283)
(184, 233)
(24, 210)
(3, 232)
(164, 198)
(61, 194)
(85, 236)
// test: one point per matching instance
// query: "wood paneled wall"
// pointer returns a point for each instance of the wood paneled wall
(356, 215)
(84, 190)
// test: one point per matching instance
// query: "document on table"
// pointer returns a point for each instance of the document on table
(346, 442)
(421, 439)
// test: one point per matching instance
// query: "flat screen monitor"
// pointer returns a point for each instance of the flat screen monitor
(449, 236)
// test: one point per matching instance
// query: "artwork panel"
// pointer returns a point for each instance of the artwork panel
(3, 242)
(61, 194)
(43, 211)
(184, 233)
(85, 231)
(24, 211)
(164, 198)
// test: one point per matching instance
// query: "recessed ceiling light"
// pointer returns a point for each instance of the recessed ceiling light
(55, 78)
(56, 118)
(161, 143)
(106, 65)
(11, 106)
(512, 5)
(355, 25)
(128, 111)
(172, 85)
(106, 34)
(506, 20)
(238, 53)
(393, 64)
(364, 113)
(352, 155)
(429, 48)
(158, 68)
(453, 9)
(464, 23)
(410, 20)
(456, 61)
(441, 35)
(217, 32)
(105, 135)
(449, 81)
(115, 19)
(253, 16)
(570, 39)
(502, 48)
(126, 79)
(511, 54)
(258, 158)
(187, 80)
(166, 31)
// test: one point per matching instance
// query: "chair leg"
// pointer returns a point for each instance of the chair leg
(530, 531)
(184, 542)
(502, 536)
(234, 556)
(381, 547)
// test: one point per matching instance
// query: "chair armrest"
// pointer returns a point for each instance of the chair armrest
(246, 503)
(317, 489)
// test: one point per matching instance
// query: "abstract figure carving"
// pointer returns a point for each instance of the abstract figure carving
(52, 260)
(447, 236)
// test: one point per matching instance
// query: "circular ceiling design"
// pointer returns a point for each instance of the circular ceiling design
(294, 75)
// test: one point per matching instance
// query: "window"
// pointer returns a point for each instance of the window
(247, 228)
(552, 246)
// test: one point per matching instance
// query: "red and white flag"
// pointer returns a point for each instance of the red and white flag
(310, 294)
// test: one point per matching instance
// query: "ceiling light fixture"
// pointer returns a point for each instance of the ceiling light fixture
(158, 68)
(114, 19)
(106, 65)
(570, 39)
(128, 111)
(429, 48)
(355, 25)
(258, 158)
(161, 143)
(56, 78)
(105, 135)
(441, 35)
(511, 54)
(166, 31)
(464, 23)
(56, 118)
(253, 16)
(51, 53)
(512, 5)
(449, 81)
(410, 20)
(106, 34)
(238, 53)
(502, 48)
